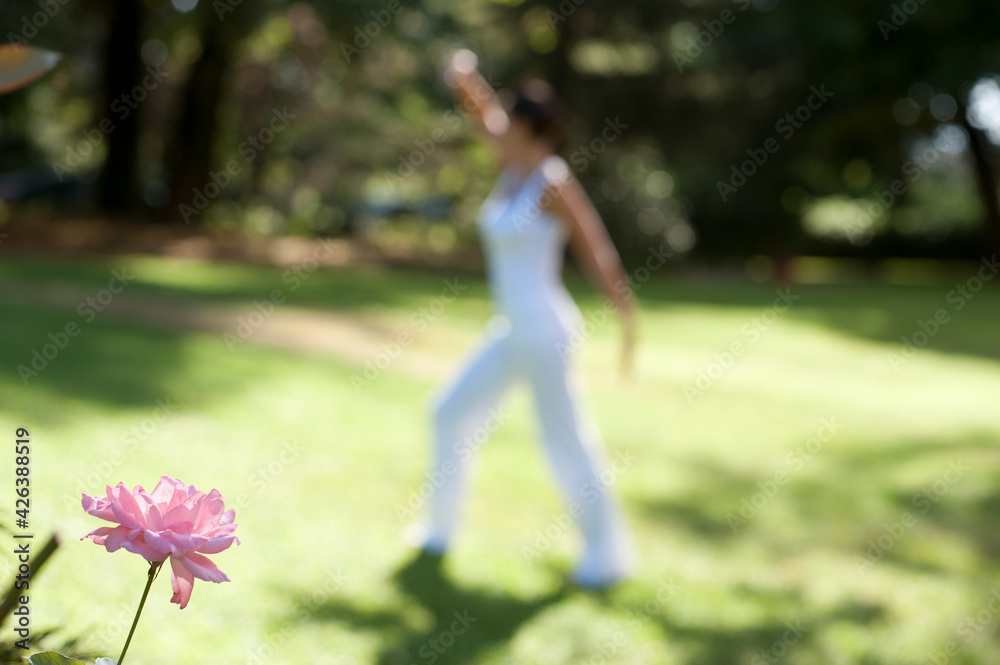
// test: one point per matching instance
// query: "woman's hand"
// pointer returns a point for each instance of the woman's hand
(460, 72)
(458, 66)
(628, 341)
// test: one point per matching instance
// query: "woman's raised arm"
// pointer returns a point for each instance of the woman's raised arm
(476, 95)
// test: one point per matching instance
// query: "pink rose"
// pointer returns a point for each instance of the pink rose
(174, 520)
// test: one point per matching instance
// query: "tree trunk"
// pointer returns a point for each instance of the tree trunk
(195, 133)
(987, 184)
(123, 71)
(562, 68)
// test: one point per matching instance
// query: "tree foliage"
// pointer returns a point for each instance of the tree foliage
(743, 126)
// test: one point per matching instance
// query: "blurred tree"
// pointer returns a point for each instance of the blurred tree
(986, 181)
(123, 72)
(221, 27)
(705, 152)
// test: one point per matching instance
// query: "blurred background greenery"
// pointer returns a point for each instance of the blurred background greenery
(371, 145)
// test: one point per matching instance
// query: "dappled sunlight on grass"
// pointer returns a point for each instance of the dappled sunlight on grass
(761, 533)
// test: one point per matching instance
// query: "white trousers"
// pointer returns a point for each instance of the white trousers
(465, 412)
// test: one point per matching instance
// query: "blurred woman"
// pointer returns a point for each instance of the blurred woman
(535, 208)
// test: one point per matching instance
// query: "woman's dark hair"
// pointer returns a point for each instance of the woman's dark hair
(536, 103)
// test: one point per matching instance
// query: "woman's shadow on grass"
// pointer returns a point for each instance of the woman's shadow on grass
(465, 622)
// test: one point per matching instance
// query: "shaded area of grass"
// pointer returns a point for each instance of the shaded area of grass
(465, 622)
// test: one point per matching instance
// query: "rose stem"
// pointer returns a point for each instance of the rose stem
(154, 567)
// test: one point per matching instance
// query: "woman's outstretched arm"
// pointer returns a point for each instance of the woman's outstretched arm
(476, 95)
(592, 246)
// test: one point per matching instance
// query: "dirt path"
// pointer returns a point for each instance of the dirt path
(90, 236)
(328, 333)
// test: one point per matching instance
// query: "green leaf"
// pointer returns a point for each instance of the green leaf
(52, 658)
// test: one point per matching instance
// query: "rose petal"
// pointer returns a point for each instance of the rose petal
(128, 511)
(117, 538)
(101, 506)
(203, 568)
(100, 534)
(170, 492)
(216, 545)
(176, 543)
(210, 510)
(138, 545)
(181, 581)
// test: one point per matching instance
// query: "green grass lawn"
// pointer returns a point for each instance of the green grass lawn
(766, 534)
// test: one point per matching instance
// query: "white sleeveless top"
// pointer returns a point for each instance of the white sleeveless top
(524, 248)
